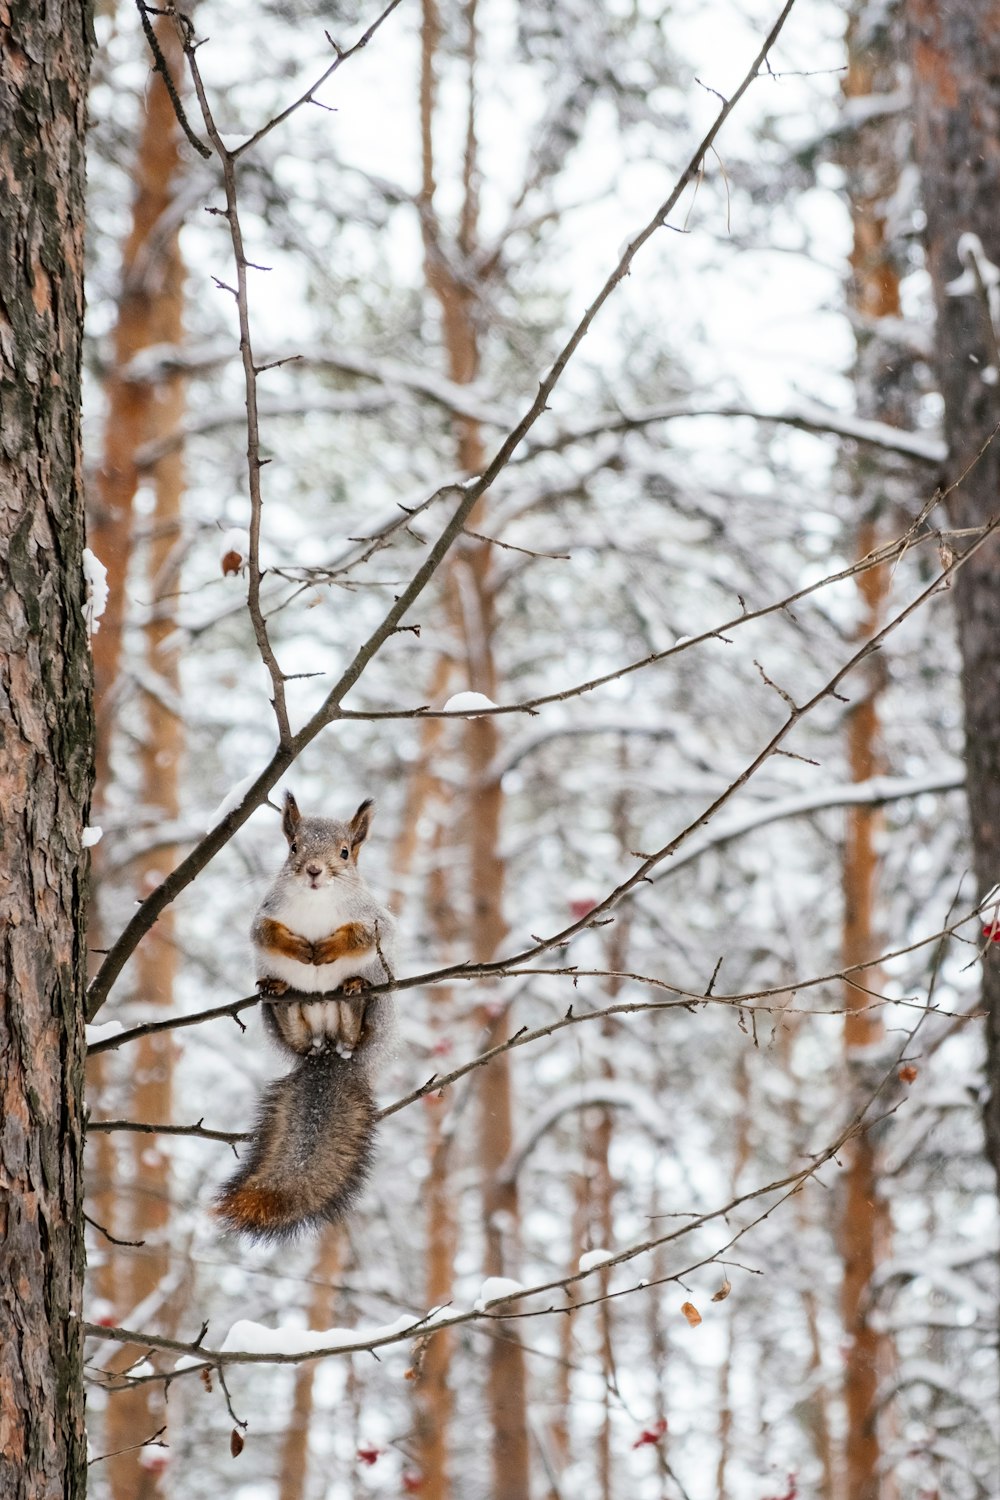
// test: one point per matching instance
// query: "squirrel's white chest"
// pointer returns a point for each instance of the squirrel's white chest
(312, 914)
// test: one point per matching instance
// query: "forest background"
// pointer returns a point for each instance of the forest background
(597, 361)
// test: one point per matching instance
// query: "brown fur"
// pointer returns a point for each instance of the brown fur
(288, 1026)
(311, 1152)
(352, 937)
(349, 938)
(267, 933)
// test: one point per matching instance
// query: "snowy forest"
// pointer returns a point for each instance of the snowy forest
(573, 426)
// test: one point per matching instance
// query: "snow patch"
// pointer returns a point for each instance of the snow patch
(99, 1031)
(92, 835)
(253, 1338)
(95, 601)
(232, 799)
(468, 703)
(592, 1258)
(443, 1314)
(495, 1289)
(979, 276)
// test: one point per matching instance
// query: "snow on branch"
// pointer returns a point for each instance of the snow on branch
(876, 792)
(807, 416)
(293, 1345)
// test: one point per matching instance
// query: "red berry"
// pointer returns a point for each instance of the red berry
(651, 1434)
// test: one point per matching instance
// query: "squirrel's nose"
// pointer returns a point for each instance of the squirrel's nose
(313, 871)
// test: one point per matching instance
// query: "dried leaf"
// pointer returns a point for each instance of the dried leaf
(723, 1292)
(907, 1073)
(235, 1442)
(691, 1313)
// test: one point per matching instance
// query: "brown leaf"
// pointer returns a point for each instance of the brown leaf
(723, 1292)
(235, 1442)
(907, 1073)
(232, 563)
(691, 1313)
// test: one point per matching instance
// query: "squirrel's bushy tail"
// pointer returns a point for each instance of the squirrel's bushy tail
(311, 1151)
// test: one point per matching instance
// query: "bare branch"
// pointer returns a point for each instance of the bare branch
(254, 461)
(231, 1137)
(160, 65)
(308, 97)
(197, 1357)
(289, 747)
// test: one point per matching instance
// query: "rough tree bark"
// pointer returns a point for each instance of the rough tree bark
(46, 729)
(954, 52)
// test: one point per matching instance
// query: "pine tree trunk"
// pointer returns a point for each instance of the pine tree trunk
(469, 596)
(327, 1271)
(46, 730)
(955, 60)
(151, 313)
(428, 796)
(955, 57)
(883, 388)
(148, 269)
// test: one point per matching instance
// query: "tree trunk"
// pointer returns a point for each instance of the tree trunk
(872, 167)
(954, 52)
(327, 1269)
(150, 267)
(46, 729)
(428, 796)
(151, 313)
(469, 597)
(144, 318)
(141, 1411)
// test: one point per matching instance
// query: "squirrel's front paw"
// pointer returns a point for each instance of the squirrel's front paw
(354, 985)
(272, 986)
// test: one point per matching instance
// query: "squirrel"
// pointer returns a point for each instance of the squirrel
(319, 930)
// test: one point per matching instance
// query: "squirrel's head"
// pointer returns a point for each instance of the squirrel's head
(323, 849)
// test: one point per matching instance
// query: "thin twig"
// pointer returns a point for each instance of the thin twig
(288, 749)
(254, 460)
(160, 66)
(785, 1186)
(342, 54)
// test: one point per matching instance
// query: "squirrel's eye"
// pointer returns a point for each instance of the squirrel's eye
(293, 847)
(345, 853)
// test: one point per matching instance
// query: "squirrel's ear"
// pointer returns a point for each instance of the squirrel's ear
(290, 817)
(361, 823)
